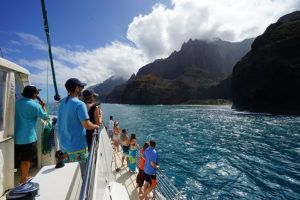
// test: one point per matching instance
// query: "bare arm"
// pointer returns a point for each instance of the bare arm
(153, 164)
(44, 107)
(42, 103)
(100, 116)
(97, 116)
(87, 124)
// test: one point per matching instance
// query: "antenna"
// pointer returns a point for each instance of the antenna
(1, 52)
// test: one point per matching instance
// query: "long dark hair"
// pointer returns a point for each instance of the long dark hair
(70, 91)
(145, 146)
(87, 99)
(132, 136)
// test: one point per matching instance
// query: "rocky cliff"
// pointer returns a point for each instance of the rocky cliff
(192, 73)
(267, 79)
(107, 86)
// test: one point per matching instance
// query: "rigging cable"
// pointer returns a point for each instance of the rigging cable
(46, 27)
(48, 134)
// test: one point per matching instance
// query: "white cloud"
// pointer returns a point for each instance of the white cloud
(157, 34)
(163, 30)
(91, 66)
(37, 43)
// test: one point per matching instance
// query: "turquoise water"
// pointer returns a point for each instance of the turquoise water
(212, 152)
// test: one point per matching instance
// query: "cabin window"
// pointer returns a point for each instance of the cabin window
(2, 97)
(18, 89)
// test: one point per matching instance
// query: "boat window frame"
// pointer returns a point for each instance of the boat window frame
(3, 102)
(19, 86)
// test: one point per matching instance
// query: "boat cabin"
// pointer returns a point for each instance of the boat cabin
(13, 78)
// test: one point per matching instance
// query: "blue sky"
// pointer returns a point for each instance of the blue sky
(73, 23)
(91, 23)
(93, 40)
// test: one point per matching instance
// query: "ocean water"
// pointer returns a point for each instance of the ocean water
(213, 152)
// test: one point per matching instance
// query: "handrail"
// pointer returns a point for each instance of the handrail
(165, 189)
(6, 139)
(89, 170)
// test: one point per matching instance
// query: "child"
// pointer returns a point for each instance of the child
(132, 153)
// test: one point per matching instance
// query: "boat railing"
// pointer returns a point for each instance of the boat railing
(86, 192)
(165, 189)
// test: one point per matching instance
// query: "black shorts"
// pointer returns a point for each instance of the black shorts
(25, 152)
(140, 178)
(151, 179)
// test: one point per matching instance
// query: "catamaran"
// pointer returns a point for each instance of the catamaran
(103, 178)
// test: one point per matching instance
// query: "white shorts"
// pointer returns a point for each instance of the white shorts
(115, 137)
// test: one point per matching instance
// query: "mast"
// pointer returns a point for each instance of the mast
(46, 27)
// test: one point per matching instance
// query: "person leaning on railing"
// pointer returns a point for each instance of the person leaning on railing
(141, 175)
(73, 119)
(151, 165)
(94, 111)
(116, 136)
(125, 146)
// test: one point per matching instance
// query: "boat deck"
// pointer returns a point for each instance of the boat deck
(123, 175)
(33, 171)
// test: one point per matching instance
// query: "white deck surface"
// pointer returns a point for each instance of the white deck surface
(58, 183)
(61, 183)
(124, 176)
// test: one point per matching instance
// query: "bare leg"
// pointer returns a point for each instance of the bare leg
(140, 190)
(146, 186)
(127, 160)
(115, 145)
(24, 168)
(147, 192)
(123, 160)
(118, 146)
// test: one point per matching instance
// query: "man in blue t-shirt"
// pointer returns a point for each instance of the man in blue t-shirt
(151, 165)
(26, 115)
(73, 119)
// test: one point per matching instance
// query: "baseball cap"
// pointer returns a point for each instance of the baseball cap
(29, 90)
(87, 93)
(72, 83)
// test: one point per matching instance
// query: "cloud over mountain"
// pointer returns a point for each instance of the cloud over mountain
(156, 35)
(163, 30)
(92, 66)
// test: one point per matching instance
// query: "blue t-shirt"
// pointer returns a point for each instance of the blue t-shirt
(71, 134)
(150, 155)
(26, 113)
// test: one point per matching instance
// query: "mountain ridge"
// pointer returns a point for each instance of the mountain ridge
(267, 79)
(186, 74)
